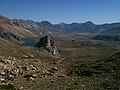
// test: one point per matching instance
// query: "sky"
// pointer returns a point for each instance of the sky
(57, 11)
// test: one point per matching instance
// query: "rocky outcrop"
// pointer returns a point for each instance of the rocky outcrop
(11, 37)
(47, 44)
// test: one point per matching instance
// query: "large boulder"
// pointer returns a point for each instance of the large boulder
(47, 46)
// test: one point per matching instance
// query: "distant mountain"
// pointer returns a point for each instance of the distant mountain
(105, 27)
(37, 28)
(78, 27)
(28, 28)
(46, 23)
(47, 27)
(87, 27)
(109, 34)
(112, 31)
(61, 26)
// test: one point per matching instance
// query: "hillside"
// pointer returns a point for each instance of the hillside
(112, 31)
(8, 25)
(37, 28)
(107, 37)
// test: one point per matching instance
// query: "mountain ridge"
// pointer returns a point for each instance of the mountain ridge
(27, 28)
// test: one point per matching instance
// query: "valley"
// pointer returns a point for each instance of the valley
(81, 65)
(41, 56)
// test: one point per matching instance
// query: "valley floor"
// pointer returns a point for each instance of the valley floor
(85, 64)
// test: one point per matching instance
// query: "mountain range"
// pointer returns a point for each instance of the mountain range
(28, 28)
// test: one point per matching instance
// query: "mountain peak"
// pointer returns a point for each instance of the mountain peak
(3, 18)
(46, 22)
(89, 22)
(62, 23)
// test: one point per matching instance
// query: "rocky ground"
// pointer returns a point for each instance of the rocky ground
(23, 71)
(59, 74)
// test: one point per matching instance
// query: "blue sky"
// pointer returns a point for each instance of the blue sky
(56, 11)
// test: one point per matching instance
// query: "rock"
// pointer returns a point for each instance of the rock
(3, 61)
(20, 88)
(33, 68)
(83, 85)
(25, 68)
(11, 37)
(10, 77)
(49, 73)
(3, 80)
(9, 61)
(48, 44)
(63, 75)
(29, 76)
(52, 81)
(2, 73)
(55, 68)
(25, 56)
(34, 75)
(31, 56)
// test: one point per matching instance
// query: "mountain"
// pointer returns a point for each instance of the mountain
(109, 34)
(8, 25)
(47, 27)
(16, 29)
(46, 23)
(37, 28)
(87, 27)
(61, 26)
(29, 25)
(78, 27)
(105, 27)
(28, 28)
(112, 31)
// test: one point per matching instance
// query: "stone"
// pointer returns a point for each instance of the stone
(33, 68)
(25, 56)
(55, 68)
(31, 78)
(34, 75)
(3, 80)
(20, 88)
(31, 56)
(52, 81)
(2, 73)
(9, 61)
(11, 77)
(63, 75)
